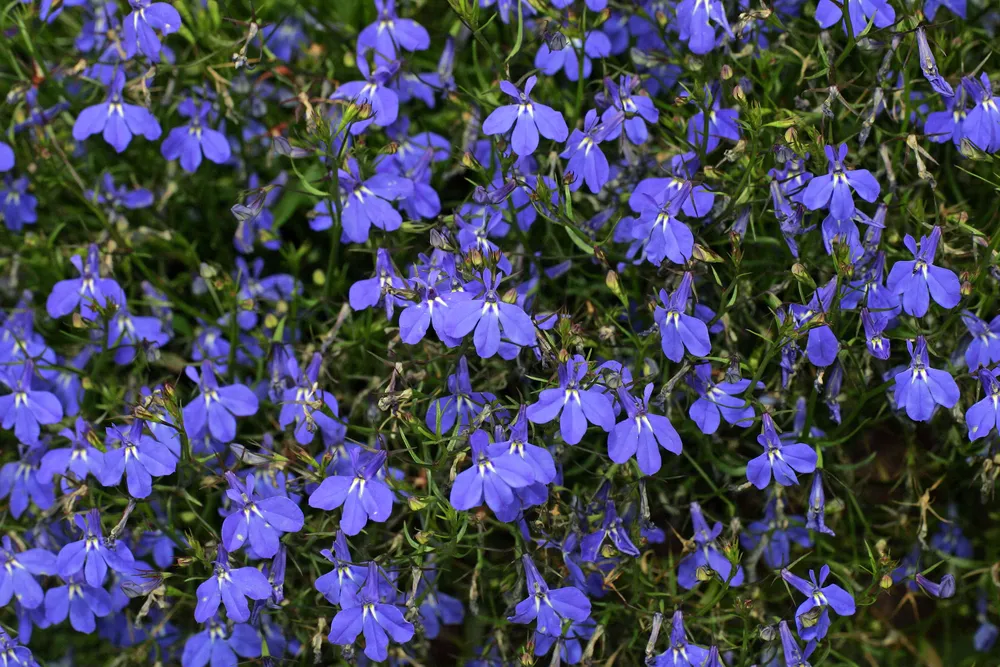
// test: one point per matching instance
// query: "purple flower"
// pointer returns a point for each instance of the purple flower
(495, 472)
(17, 574)
(942, 591)
(548, 607)
(259, 520)
(26, 408)
(437, 608)
(24, 483)
(363, 495)
(345, 579)
(717, 401)
(681, 652)
(880, 12)
(570, 641)
(214, 645)
(13, 654)
(777, 532)
(540, 459)
(586, 160)
(914, 279)
(596, 45)
(140, 458)
(215, 408)
(367, 612)
(612, 527)
(877, 344)
(189, 142)
(462, 406)
(433, 307)
(303, 404)
(793, 654)
(85, 292)
(834, 189)
(822, 345)
(364, 204)
(116, 119)
(706, 560)
(231, 588)
(370, 292)
(920, 388)
(987, 633)
(17, 206)
(942, 126)
(781, 459)
(373, 91)
(491, 317)
(678, 330)
(80, 601)
(693, 17)
(629, 109)
(389, 32)
(816, 514)
(985, 346)
(576, 405)
(127, 334)
(957, 7)
(641, 434)
(720, 123)
(140, 26)
(6, 157)
(928, 66)
(982, 124)
(665, 236)
(811, 618)
(984, 415)
(92, 555)
(525, 120)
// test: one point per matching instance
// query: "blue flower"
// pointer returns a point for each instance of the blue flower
(365, 204)
(612, 527)
(548, 607)
(985, 414)
(693, 24)
(982, 123)
(794, 656)
(6, 157)
(363, 495)
(230, 587)
(368, 612)
(879, 12)
(215, 408)
(987, 633)
(345, 579)
(587, 161)
(576, 405)
(215, 645)
(17, 206)
(373, 91)
(491, 317)
(914, 279)
(781, 459)
(303, 404)
(437, 608)
(140, 458)
(777, 534)
(720, 123)
(27, 408)
(390, 32)
(641, 434)
(706, 560)
(627, 109)
(678, 330)
(189, 142)
(495, 472)
(943, 590)
(811, 618)
(665, 236)
(525, 120)
(717, 401)
(681, 652)
(141, 24)
(261, 521)
(17, 574)
(369, 292)
(91, 555)
(596, 45)
(834, 189)
(461, 406)
(920, 388)
(985, 346)
(816, 514)
(116, 119)
(24, 482)
(88, 292)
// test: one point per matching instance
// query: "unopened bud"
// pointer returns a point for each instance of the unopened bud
(726, 73)
(885, 582)
(739, 94)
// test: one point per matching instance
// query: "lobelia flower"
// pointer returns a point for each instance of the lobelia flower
(548, 607)
(587, 161)
(642, 434)
(495, 472)
(877, 344)
(375, 92)
(6, 157)
(140, 458)
(793, 654)
(574, 405)
(540, 460)
(595, 45)
(141, 24)
(116, 119)
(92, 555)
(462, 406)
(812, 619)
(987, 633)
(678, 330)
(985, 414)
(570, 641)
(612, 527)
(23, 482)
(491, 317)
(681, 653)
(929, 67)
(26, 408)
(432, 308)
(880, 12)
(363, 495)
(942, 591)
(365, 204)
(303, 404)
(508, 9)
(127, 334)
(982, 123)
(215, 408)
(914, 279)
(693, 24)
(833, 190)
(822, 345)
(920, 388)
(985, 346)
(17, 574)
(17, 206)
(80, 601)
(230, 587)
(85, 292)
(781, 459)
(437, 608)
(628, 109)
(816, 514)
(345, 579)
(389, 31)
(189, 142)
(666, 236)
(949, 538)
(259, 520)
(525, 120)
(777, 532)
(720, 123)
(215, 645)
(717, 401)
(368, 611)
(706, 560)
